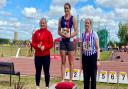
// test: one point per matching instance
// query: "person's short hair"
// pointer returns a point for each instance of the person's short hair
(89, 20)
(43, 19)
(67, 4)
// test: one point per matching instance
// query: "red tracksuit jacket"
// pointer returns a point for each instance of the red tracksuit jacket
(45, 37)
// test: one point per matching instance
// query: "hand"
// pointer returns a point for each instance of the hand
(39, 45)
(42, 48)
(81, 67)
(64, 35)
(98, 63)
(67, 36)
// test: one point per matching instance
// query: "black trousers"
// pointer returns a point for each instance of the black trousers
(89, 70)
(45, 62)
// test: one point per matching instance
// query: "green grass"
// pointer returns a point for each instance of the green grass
(29, 83)
(105, 55)
(8, 51)
(11, 51)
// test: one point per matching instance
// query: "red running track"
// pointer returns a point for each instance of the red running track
(26, 65)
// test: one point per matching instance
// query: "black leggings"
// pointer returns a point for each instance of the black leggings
(89, 70)
(45, 62)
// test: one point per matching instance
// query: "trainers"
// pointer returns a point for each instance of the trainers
(47, 88)
(37, 87)
(63, 80)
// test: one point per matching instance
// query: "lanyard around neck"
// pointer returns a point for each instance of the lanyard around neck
(87, 37)
(67, 23)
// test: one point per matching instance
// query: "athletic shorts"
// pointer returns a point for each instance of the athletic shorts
(67, 45)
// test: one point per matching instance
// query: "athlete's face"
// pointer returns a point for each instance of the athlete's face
(67, 9)
(43, 23)
(87, 24)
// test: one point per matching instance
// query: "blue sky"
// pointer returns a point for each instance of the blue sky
(23, 16)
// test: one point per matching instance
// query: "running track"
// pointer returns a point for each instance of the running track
(26, 65)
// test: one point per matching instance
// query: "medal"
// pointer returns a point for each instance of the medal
(88, 40)
(87, 44)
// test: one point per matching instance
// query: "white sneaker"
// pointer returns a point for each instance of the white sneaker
(37, 87)
(63, 80)
(53, 86)
(47, 88)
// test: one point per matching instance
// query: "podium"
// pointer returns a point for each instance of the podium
(65, 85)
(112, 78)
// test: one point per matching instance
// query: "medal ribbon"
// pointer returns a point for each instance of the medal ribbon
(87, 39)
(67, 23)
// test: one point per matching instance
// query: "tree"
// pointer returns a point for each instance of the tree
(123, 33)
(110, 43)
(4, 41)
(103, 37)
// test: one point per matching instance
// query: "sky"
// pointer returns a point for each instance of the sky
(23, 16)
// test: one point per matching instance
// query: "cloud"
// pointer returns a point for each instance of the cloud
(53, 27)
(109, 15)
(97, 14)
(122, 14)
(89, 10)
(101, 19)
(3, 3)
(58, 11)
(29, 12)
(113, 3)
(74, 11)
(52, 23)
(110, 19)
(4, 13)
(62, 2)
(7, 29)
(2, 23)
(57, 7)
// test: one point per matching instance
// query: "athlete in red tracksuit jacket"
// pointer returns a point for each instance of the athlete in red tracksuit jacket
(42, 42)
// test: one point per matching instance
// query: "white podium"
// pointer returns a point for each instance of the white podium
(103, 76)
